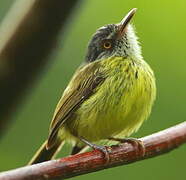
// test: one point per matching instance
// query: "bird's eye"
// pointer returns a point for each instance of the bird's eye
(107, 44)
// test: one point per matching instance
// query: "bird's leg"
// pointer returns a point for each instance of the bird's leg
(136, 143)
(103, 149)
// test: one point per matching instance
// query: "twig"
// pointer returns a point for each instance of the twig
(155, 144)
(27, 36)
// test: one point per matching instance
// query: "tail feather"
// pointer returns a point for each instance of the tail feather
(44, 154)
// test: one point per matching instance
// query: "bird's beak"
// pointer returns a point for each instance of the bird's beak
(125, 21)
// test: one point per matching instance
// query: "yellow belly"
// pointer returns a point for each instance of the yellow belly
(120, 105)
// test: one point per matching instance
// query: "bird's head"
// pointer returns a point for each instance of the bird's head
(114, 40)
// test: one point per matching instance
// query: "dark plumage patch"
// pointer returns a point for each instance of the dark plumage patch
(136, 75)
(95, 45)
(104, 32)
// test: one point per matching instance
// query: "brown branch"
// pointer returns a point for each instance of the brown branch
(27, 36)
(155, 144)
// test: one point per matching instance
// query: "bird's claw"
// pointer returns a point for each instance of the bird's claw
(136, 143)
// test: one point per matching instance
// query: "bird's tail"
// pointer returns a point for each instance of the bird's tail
(44, 154)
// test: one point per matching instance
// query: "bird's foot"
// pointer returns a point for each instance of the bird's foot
(104, 149)
(136, 143)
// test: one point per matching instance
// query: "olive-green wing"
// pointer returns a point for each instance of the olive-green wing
(80, 88)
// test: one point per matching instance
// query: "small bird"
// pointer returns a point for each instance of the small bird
(109, 96)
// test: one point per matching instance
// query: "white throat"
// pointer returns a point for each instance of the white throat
(132, 48)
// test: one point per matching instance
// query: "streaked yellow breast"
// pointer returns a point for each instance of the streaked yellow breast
(120, 104)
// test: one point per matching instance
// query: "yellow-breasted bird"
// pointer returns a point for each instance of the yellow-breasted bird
(109, 96)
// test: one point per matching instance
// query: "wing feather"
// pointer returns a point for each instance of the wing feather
(80, 88)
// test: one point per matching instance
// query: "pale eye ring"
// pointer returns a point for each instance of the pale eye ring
(107, 45)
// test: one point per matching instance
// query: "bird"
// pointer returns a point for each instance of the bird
(109, 96)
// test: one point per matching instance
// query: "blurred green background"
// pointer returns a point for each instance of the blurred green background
(161, 28)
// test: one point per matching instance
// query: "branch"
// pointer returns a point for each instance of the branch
(155, 144)
(28, 34)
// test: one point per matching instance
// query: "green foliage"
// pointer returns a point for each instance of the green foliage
(161, 29)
